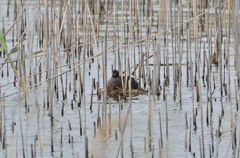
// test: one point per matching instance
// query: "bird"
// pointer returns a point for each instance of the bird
(116, 80)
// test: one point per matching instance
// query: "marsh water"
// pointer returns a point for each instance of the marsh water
(33, 132)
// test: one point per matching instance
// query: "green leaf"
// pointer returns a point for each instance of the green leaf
(23, 86)
(35, 53)
(1, 49)
(14, 50)
(2, 39)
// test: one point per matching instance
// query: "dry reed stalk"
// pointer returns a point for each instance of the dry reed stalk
(159, 149)
(212, 138)
(131, 134)
(105, 74)
(149, 120)
(66, 81)
(145, 148)
(103, 113)
(94, 127)
(192, 88)
(95, 40)
(175, 68)
(4, 133)
(229, 78)
(91, 96)
(62, 112)
(178, 74)
(158, 81)
(1, 116)
(116, 136)
(110, 119)
(210, 151)
(204, 65)
(61, 142)
(114, 36)
(235, 87)
(207, 108)
(80, 122)
(231, 141)
(61, 79)
(129, 74)
(33, 79)
(84, 68)
(166, 117)
(160, 125)
(179, 52)
(200, 147)
(122, 132)
(14, 18)
(219, 124)
(200, 103)
(75, 78)
(98, 118)
(164, 95)
(188, 50)
(190, 136)
(185, 131)
(119, 117)
(78, 54)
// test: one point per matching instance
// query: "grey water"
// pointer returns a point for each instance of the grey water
(37, 129)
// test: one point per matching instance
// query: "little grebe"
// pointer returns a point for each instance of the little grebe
(116, 80)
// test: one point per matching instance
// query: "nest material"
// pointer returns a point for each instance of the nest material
(115, 90)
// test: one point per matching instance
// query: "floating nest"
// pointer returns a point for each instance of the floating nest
(114, 90)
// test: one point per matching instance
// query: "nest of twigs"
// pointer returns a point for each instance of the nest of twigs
(114, 90)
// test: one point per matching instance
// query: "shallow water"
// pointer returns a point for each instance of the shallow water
(99, 146)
